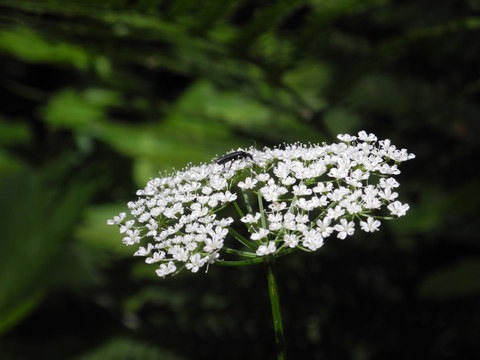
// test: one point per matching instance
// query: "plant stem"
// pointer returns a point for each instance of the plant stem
(276, 311)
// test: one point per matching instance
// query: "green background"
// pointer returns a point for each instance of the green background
(96, 97)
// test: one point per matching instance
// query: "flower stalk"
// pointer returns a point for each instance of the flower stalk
(276, 310)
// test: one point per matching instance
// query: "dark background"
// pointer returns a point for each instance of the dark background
(98, 96)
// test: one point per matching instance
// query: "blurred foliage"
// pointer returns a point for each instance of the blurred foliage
(99, 96)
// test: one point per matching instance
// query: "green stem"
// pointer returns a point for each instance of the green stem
(276, 311)
(239, 262)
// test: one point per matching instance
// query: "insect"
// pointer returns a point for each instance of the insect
(236, 155)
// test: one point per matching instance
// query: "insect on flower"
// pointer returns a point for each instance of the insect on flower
(236, 155)
(302, 193)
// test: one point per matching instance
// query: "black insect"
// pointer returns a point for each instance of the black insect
(236, 155)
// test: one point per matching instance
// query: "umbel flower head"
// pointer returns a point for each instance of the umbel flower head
(259, 204)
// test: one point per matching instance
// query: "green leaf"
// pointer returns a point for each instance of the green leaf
(30, 46)
(74, 110)
(37, 215)
(246, 113)
(14, 133)
(308, 80)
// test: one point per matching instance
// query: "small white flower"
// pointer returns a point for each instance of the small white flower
(213, 201)
(195, 263)
(338, 173)
(260, 234)
(227, 196)
(212, 244)
(138, 211)
(249, 183)
(127, 226)
(219, 232)
(371, 202)
(275, 226)
(144, 217)
(291, 240)
(323, 188)
(312, 239)
(165, 270)
(389, 183)
(282, 170)
(152, 226)
(346, 137)
(117, 219)
(324, 227)
(362, 135)
(306, 205)
(275, 217)
(250, 219)
(353, 207)
(142, 251)
(370, 225)
(218, 183)
(387, 194)
(301, 219)
(290, 180)
(132, 237)
(289, 222)
(301, 190)
(277, 206)
(198, 211)
(272, 192)
(336, 212)
(398, 209)
(172, 212)
(263, 177)
(157, 256)
(265, 250)
(338, 194)
(225, 222)
(345, 228)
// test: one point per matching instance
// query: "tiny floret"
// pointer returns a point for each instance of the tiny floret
(271, 201)
(370, 225)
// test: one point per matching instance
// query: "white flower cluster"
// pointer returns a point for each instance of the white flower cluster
(302, 195)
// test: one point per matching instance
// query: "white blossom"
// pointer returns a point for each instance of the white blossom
(249, 183)
(324, 226)
(398, 209)
(346, 137)
(291, 240)
(132, 237)
(249, 218)
(387, 194)
(370, 225)
(290, 197)
(301, 190)
(156, 257)
(166, 269)
(336, 212)
(266, 249)
(345, 228)
(312, 239)
(196, 262)
(144, 252)
(126, 226)
(362, 135)
(117, 219)
(260, 234)
(213, 244)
